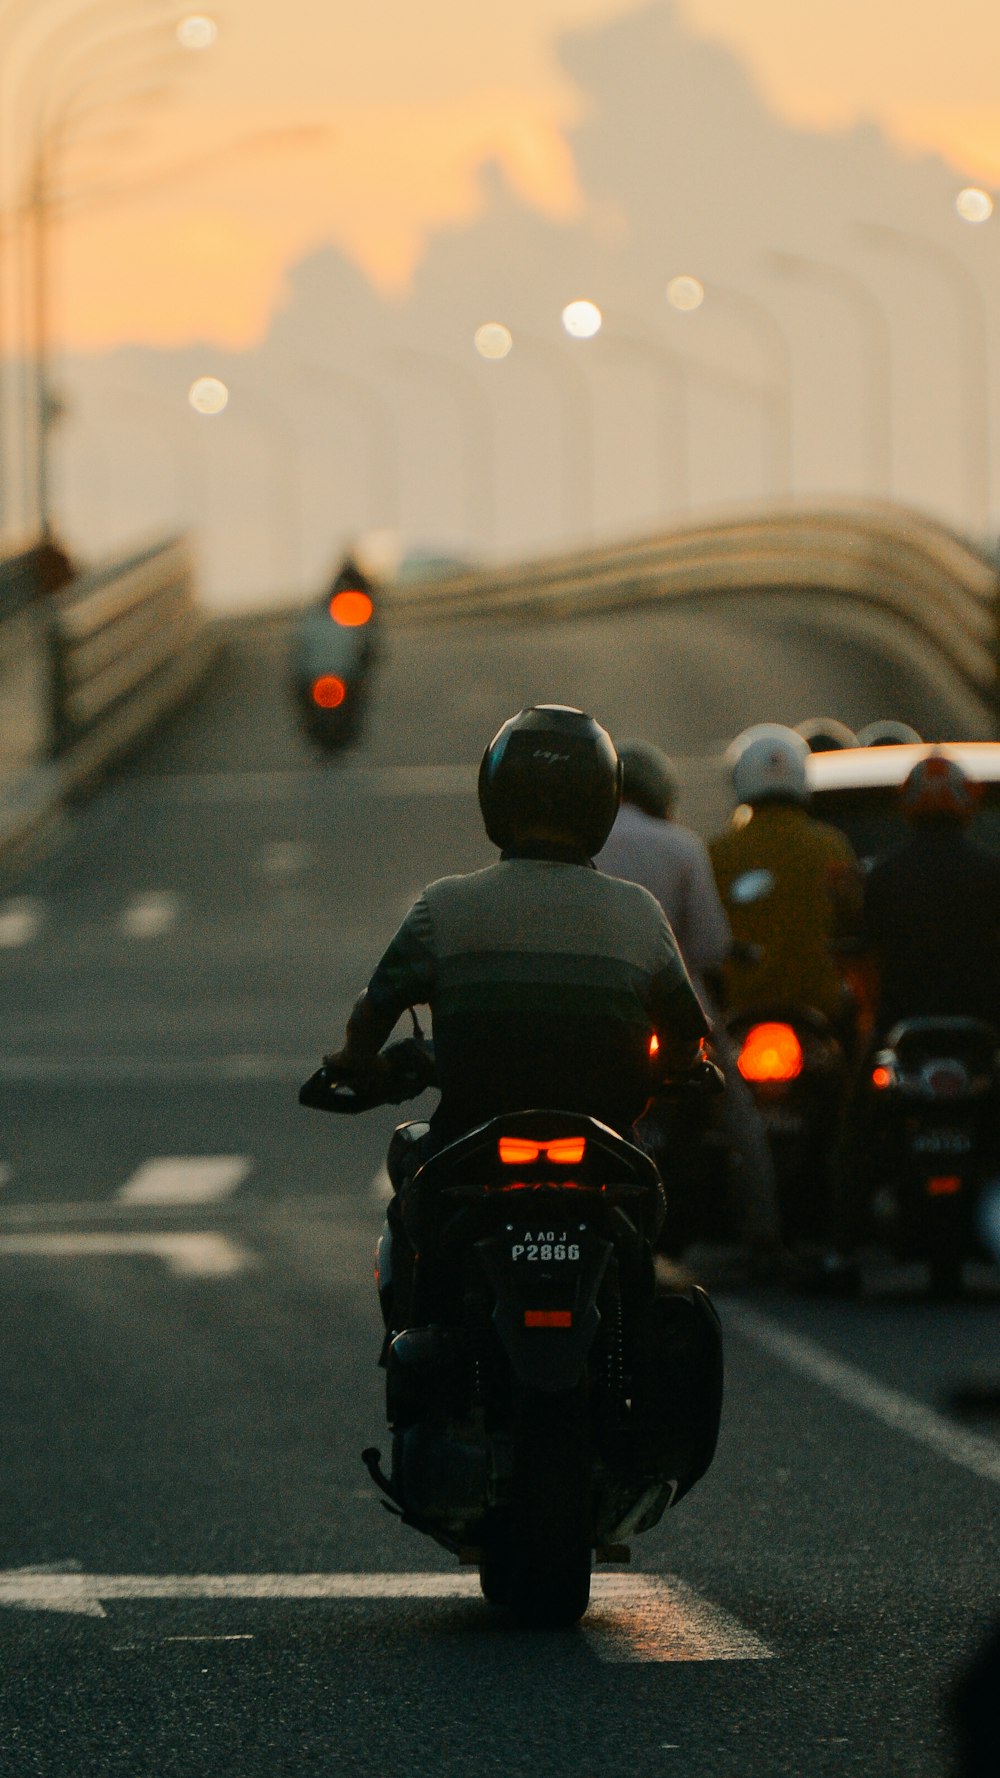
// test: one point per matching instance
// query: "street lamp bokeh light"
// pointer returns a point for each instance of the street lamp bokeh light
(582, 319)
(197, 31)
(208, 395)
(686, 293)
(493, 340)
(974, 205)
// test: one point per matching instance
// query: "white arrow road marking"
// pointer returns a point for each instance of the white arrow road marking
(185, 1179)
(187, 1256)
(20, 922)
(150, 915)
(642, 1617)
(980, 1456)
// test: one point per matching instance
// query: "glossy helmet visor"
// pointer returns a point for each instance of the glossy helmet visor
(550, 772)
(937, 789)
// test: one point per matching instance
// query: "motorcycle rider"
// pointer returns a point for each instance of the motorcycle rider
(931, 929)
(790, 884)
(544, 977)
(646, 845)
(932, 906)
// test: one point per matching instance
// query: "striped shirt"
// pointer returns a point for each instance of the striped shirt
(545, 981)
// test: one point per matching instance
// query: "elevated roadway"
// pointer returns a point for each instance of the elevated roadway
(189, 1323)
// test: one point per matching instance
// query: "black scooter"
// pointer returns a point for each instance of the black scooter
(548, 1399)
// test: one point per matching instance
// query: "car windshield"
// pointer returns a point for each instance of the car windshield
(872, 820)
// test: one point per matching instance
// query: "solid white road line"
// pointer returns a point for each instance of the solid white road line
(642, 1617)
(150, 915)
(185, 1255)
(185, 1179)
(20, 922)
(979, 1456)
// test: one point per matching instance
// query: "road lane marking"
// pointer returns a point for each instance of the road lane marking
(150, 915)
(185, 1255)
(283, 859)
(185, 1179)
(20, 922)
(641, 1617)
(979, 1456)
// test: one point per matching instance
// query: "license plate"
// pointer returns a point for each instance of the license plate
(942, 1142)
(548, 1247)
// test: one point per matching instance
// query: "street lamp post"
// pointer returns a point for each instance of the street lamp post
(573, 395)
(383, 440)
(974, 349)
(877, 338)
(688, 294)
(476, 418)
(631, 339)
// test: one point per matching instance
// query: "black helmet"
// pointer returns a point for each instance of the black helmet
(550, 771)
(649, 778)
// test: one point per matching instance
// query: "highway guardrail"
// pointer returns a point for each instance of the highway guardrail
(881, 554)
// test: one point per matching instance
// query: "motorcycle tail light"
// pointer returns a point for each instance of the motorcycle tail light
(563, 1151)
(881, 1078)
(548, 1317)
(351, 608)
(328, 692)
(944, 1185)
(654, 1046)
(771, 1052)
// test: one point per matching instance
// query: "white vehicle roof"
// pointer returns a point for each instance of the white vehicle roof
(859, 768)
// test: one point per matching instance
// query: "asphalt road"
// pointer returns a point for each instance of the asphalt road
(189, 1325)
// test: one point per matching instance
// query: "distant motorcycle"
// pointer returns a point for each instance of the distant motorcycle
(547, 1399)
(933, 1095)
(794, 1064)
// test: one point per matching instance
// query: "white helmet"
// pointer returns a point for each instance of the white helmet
(768, 763)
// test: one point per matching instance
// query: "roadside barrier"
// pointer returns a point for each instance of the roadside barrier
(128, 643)
(878, 553)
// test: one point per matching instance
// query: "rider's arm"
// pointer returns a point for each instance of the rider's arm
(404, 977)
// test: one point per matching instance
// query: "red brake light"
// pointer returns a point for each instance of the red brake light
(944, 1185)
(351, 608)
(770, 1052)
(328, 692)
(548, 1317)
(881, 1078)
(564, 1151)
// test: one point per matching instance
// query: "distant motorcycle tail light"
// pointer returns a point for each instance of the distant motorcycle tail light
(564, 1151)
(771, 1052)
(654, 1046)
(328, 692)
(351, 608)
(881, 1078)
(944, 1185)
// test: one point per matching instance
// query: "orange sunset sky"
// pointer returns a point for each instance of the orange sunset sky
(311, 123)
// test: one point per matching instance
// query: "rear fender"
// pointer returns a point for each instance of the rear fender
(546, 1357)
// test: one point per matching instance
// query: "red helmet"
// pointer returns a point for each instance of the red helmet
(937, 789)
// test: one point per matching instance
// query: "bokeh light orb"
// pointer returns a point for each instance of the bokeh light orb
(686, 293)
(197, 31)
(208, 395)
(582, 320)
(493, 340)
(974, 205)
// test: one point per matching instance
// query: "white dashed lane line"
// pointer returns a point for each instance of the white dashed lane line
(149, 915)
(20, 922)
(185, 1179)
